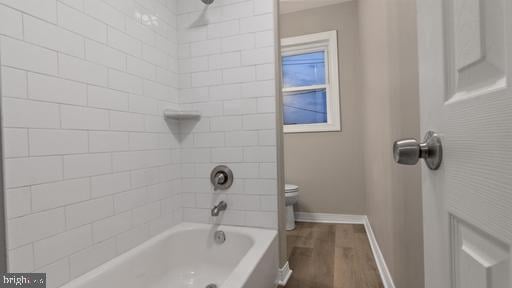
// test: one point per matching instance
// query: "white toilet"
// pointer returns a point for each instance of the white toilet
(291, 196)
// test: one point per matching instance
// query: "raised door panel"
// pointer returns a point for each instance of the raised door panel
(479, 259)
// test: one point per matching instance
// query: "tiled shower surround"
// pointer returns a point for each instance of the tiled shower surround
(92, 168)
(226, 71)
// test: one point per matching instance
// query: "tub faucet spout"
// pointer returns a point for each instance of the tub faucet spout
(218, 208)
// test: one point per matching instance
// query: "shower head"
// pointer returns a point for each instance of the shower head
(203, 17)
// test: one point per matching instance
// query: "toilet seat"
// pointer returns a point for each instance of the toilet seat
(292, 194)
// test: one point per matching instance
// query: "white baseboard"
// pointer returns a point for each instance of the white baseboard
(284, 275)
(329, 218)
(353, 219)
(377, 255)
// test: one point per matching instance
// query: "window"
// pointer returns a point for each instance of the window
(311, 95)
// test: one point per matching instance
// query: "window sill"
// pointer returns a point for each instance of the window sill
(311, 128)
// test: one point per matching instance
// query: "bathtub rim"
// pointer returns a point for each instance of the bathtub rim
(262, 241)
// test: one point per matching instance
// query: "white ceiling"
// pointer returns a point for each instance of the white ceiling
(289, 6)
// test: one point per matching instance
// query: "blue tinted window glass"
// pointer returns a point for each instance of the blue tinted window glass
(304, 69)
(305, 107)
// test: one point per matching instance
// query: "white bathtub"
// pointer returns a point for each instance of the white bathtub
(186, 256)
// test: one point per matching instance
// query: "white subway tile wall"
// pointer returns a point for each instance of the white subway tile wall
(92, 169)
(91, 166)
(227, 73)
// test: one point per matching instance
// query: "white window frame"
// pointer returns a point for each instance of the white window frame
(328, 42)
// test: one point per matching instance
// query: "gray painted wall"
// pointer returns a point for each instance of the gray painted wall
(391, 111)
(328, 166)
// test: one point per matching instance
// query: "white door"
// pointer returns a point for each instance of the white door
(465, 54)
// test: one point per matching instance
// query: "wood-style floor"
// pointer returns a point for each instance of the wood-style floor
(331, 256)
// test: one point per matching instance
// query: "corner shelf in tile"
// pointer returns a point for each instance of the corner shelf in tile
(174, 114)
